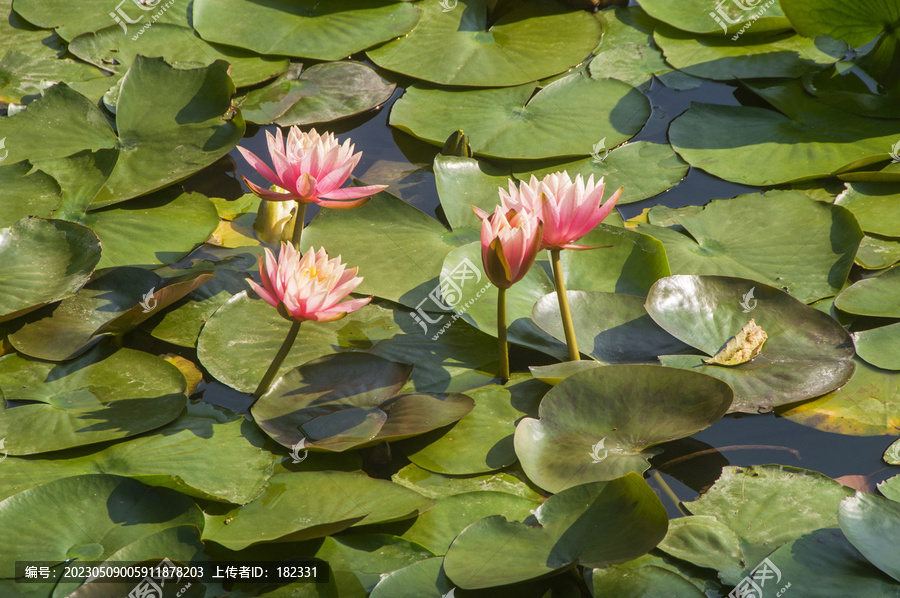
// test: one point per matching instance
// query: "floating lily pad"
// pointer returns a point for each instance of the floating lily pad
(814, 18)
(465, 182)
(491, 44)
(37, 193)
(24, 78)
(599, 424)
(891, 487)
(648, 581)
(43, 261)
(877, 253)
(304, 28)
(867, 405)
(347, 401)
(529, 121)
(482, 441)
(71, 20)
(801, 138)
(594, 525)
(808, 250)
(89, 517)
(892, 454)
(699, 16)
(611, 327)
(555, 373)
(872, 525)
(194, 455)
(874, 205)
(322, 93)
(705, 542)
(99, 396)
(113, 302)
(876, 296)
(807, 354)
(880, 346)
(305, 505)
(114, 49)
(19, 35)
(434, 485)
(768, 506)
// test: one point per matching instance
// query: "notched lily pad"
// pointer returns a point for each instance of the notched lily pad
(742, 347)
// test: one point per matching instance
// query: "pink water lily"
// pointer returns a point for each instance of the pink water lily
(569, 210)
(310, 168)
(307, 287)
(510, 242)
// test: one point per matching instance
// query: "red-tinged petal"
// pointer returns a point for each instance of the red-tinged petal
(263, 294)
(607, 207)
(580, 247)
(270, 195)
(269, 272)
(342, 205)
(333, 180)
(259, 166)
(354, 192)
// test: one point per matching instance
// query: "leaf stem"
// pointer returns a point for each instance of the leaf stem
(279, 359)
(564, 312)
(668, 491)
(501, 336)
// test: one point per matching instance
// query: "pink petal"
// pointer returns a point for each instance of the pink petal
(270, 195)
(259, 166)
(354, 192)
(263, 294)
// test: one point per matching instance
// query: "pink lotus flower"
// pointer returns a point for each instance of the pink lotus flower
(568, 210)
(510, 242)
(307, 287)
(310, 168)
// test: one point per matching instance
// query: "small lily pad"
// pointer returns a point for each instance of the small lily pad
(880, 346)
(877, 296)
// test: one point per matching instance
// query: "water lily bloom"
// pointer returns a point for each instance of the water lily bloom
(510, 242)
(568, 210)
(307, 287)
(309, 168)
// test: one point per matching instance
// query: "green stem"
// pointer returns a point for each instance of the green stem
(501, 336)
(279, 359)
(564, 312)
(299, 217)
(668, 491)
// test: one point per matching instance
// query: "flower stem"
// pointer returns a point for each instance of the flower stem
(501, 336)
(299, 217)
(279, 359)
(564, 312)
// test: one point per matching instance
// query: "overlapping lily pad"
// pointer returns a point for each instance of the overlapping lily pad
(807, 354)
(491, 44)
(877, 296)
(321, 93)
(38, 193)
(872, 525)
(346, 401)
(529, 121)
(600, 424)
(699, 16)
(807, 250)
(874, 205)
(99, 396)
(24, 77)
(71, 20)
(306, 29)
(880, 346)
(301, 506)
(595, 524)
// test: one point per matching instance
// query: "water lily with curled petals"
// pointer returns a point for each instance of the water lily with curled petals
(569, 210)
(307, 287)
(309, 168)
(510, 242)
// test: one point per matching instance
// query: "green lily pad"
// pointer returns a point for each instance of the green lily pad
(807, 354)
(867, 405)
(831, 18)
(598, 424)
(802, 138)
(705, 542)
(648, 582)
(99, 396)
(434, 485)
(696, 16)
(37, 192)
(349, 400)
(194, 455)
(880, 346)
(555, 373)
(304, 28)
(322, 93)
(302, 506)
(113, 302)
(114, 49)
(890, 488)
(888, 172)
(24, 77)
(90, 517)
(528, 121)
(874, 205)
(491, 44)
(43, 261)
(610, 327)
(482, 441)
(595, 524)
(877, 253)
(465, 182)
(877, 296)
(21, 36)
(642, 169)
(892, 454)
(786, 54)
(808, 250)
(627, 52)
(72, 20)
(872, 525)
(768, 506)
